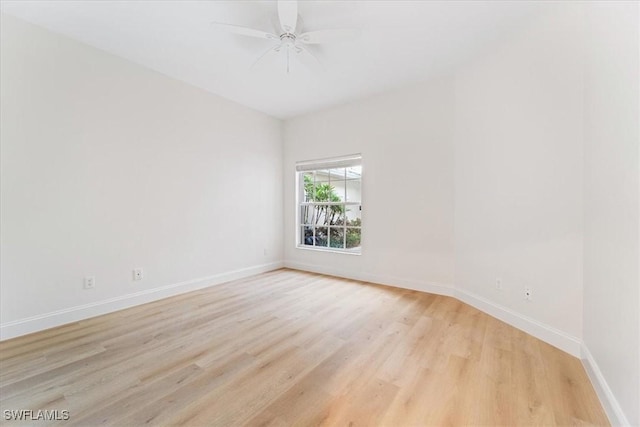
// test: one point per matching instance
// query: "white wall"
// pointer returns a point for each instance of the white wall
(611, 173)
(407, 190)
(518, 176)
(108, 166)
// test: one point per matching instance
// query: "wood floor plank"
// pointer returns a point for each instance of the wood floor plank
(294, 348)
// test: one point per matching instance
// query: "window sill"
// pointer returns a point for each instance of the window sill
(335, 251)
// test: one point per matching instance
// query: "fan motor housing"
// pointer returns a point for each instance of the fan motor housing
(288, 39)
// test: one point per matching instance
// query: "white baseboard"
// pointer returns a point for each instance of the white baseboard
(73, 314)
(542, 331)
(396, 282)
(546, 333)
(606, 396)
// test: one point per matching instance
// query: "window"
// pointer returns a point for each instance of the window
(329, 204)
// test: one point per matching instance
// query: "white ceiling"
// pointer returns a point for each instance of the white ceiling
(400, 42)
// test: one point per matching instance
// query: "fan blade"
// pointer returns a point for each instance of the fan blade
(288, 14)
(327, 36)
(308, 58)
(245, 31)
(268, 54)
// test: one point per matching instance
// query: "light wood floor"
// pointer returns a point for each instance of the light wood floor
(294, 348)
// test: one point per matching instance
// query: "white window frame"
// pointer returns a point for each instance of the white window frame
(325, 164)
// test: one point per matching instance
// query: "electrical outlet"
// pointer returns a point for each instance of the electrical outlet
(528, 294)
(499, 285)
(89, 282)
(138, 274)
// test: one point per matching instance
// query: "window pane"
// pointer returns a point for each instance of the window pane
(338, 174)
(336, 237)
(324, 192)
(320, 216)
(354, 215)
(353, 238)
(353, 190)
(335, 215)
(353, 179)
(306, 236)
(306, 214)
(322, 237)
(322, 176)
(337, 182)
(339, 191)
(307, 180)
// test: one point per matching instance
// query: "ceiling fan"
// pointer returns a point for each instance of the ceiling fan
(291, 41)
